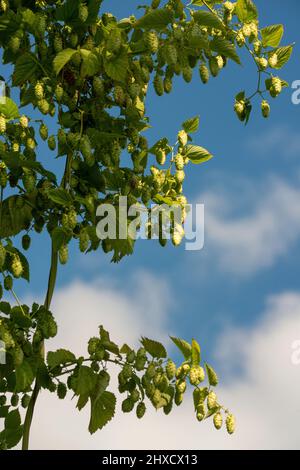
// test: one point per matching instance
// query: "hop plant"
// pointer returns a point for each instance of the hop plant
(63, 254)
(59, 92)
(23, 121)
(52, 142)
(273, 60)
(2, 124)
(170, 369)
(140, 410)
(83, 13)
(218, 420)
(39, 91)
(16, 267)
(230, 423)
(2, 256)
(276, 87)
(43, 131)
(151, 41)
(265, 108)
(211, 400)
(204, 73)
(158, 85)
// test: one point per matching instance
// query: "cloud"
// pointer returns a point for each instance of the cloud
(255, 237)
(281, 141)
(264, 394)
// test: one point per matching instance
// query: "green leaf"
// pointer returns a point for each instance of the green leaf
(5, 307)
(85, 382)
(226, 48)
(272, 35)
(197, 154)
(60, 357)
(9, 109)
(246, 11)
(26, 67)
(60, 237)
(19, 318)
(283, 54)
(24, 376)
(102, 411)
(13, 420)
(12, 437)
(156, 19)
(60, 196)
(195, 353)
(15, 216)
(206, 18)
(62, 59)
(212, 376)
(116, 66)
(191, 125)
(154, 348)
(90, 63)
(183, 346)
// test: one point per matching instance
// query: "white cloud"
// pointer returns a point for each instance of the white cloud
(265, 396)
(256, 237)
(280, 141)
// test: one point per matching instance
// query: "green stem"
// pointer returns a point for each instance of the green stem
(34, 396)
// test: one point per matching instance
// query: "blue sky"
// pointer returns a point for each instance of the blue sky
(251, 191)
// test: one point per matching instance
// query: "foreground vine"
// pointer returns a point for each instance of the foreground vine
(91, 72)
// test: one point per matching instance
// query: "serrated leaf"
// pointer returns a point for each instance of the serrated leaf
(272, 35)
(102, 411)
(12, 420)
(12, 436)
(85, 381)
(197, 154)
(9, 109)
(183, 346)
(62, 59)
(90, 63)
(59, 357)
(191, 125)
(212, 376)
(283, 54)
(116, 67)
(246, 11)
(195, 353)
(24, 376)
(60, 196)
(206, 18)
(225, 48)
(14, 219)
(5, 307)
(60, 237)
(25, 68)
(154, 348)
(156, 19)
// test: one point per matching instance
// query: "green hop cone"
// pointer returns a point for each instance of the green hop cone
(127, 405)
(25, 401)
(84, 241)
(168, 84)
(61, 390)
(276, 87)
(200, 412)
(170, 369)
(265, 109)
(59, 93)
(179, 162)
(8, 282)
(29, 181)
(2, 125)
(52, 142)
(44, 106)
(273, 60)
(178, 398)
(181, 386)
(240, 109)
(23, 121)
(187, 73)
(16, 267)
(98, 86)
(214, 66)
(140, 410)
(43, 132)
(230, 424)
(2, 255)
(151, 41)
(39, 91)
(158, 85)
(211, 400)
(204, 73)
(151, 371)
(26, 241)
(14, 44)
(127, 371)
(63, 254)
(171, 54)
(57, 43)
(14, 401)
(180, 176)
(197, 375)
(119, 95)
(83, 13)
(218, 420)
(155, 4)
